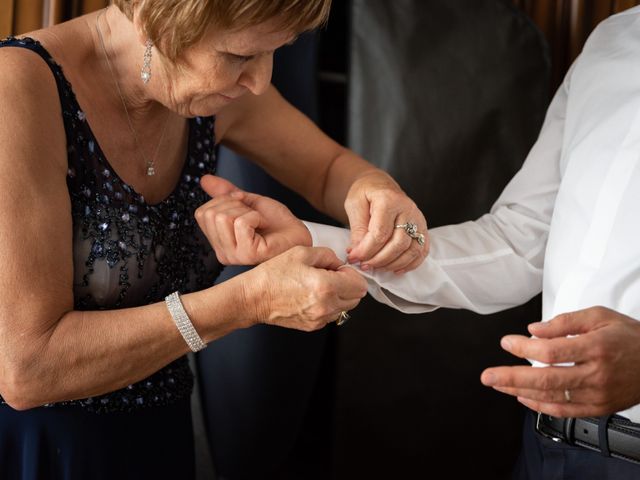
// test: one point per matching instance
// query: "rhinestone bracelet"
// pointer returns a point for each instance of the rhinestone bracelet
(183, 322)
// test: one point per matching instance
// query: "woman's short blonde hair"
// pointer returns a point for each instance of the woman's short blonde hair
(174, 25)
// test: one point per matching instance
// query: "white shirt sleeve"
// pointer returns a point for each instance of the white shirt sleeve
(492, 263)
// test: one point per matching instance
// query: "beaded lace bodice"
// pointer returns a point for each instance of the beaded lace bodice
(127, 252)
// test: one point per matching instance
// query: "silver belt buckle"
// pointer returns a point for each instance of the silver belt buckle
(546, 434)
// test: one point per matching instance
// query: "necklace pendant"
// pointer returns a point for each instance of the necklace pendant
(150, 171)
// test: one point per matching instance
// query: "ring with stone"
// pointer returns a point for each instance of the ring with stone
(344, 316)
(412, 230)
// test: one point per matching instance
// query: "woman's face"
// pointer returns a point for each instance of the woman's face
(222, 67)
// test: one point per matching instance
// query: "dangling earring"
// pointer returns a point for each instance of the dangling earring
(145, 74)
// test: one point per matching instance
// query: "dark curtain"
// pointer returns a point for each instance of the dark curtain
(448, 96)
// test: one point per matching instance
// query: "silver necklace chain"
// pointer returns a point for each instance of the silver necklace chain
(150, 163)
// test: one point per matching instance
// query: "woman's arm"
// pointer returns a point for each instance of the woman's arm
(335, 180)
(495, 262)
(48, 351)
(488, 265)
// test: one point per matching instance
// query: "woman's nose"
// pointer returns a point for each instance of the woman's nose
(257, 76)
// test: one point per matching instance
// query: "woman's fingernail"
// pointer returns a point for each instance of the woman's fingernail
(505, 343)
(488, 379)
(365, 267)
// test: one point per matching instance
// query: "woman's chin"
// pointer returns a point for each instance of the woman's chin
(207, 109)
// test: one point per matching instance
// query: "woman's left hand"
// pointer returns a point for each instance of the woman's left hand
(244, 228)
(376, 207)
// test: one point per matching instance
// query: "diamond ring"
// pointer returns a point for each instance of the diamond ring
(342, 319)
(412, 230)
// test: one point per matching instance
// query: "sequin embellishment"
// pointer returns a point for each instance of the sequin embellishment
(128, 252)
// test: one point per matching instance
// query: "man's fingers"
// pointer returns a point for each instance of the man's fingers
(536, 378)
(570, 323)
(547, 350)
(549, 396)
(564, 409)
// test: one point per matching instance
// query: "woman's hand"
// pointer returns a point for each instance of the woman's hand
(303, 288)
(375, 204)
(332, 178)
(245, 228)
(601, 345)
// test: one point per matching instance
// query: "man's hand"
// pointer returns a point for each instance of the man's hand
(601, 345)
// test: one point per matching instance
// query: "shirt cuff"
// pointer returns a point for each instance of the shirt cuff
(385, 287)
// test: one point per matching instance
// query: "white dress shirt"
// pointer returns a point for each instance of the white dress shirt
(568, 223)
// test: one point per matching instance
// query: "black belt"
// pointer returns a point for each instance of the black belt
(622, 439)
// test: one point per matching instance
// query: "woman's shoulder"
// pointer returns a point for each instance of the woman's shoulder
(18, 58)
(24, 69)
(33, 57)
(29, 95)
(29, 101)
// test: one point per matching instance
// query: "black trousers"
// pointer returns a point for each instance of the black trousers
(544, 459)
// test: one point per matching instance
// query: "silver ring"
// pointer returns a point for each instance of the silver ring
(412, 230)
(567, 395)
(342, 319)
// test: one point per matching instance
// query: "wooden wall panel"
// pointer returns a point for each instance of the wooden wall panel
(566, 25)
(6, 17)
(21, 16)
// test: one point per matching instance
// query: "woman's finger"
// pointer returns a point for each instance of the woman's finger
(216, 186)
(206, 220)
(247, 241)
(225, 225)
(350, 285)
(396, 254)
(358, 211)
(417, 261)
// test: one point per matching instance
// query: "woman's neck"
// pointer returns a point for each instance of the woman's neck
(122, 52)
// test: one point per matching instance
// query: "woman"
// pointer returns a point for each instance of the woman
(107, 127)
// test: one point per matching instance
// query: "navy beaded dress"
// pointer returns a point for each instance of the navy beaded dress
(126, 253)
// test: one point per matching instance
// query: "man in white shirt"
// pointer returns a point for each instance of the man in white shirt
(568, 224)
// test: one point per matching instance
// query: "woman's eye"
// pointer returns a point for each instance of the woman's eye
(241, 58)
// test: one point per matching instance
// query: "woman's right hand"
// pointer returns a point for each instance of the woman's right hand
(303, 288)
